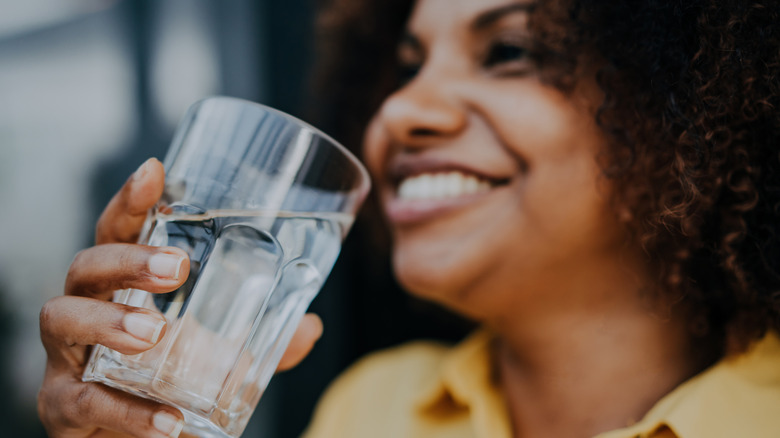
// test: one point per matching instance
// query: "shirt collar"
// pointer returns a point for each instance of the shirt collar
(466, 380)
(738, 396)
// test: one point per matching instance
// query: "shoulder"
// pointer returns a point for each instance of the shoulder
(419, 359)
(381, 387)
(403, 369)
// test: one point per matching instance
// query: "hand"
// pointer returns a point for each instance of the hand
(84, 316)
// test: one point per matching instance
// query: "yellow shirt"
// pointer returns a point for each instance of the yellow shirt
(427, 390)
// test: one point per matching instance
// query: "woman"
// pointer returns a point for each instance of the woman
(596, 184)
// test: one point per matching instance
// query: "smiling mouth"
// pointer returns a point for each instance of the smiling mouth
(424, 196)
(443, 185)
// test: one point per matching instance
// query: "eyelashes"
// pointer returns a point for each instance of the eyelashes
(505, 52)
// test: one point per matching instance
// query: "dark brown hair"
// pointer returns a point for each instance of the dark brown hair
(691, 94)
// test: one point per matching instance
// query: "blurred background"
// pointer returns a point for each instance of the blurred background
(91, 88)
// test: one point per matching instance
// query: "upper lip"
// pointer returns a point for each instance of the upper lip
(404, 166)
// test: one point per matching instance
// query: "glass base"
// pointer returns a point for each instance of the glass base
(202, 418)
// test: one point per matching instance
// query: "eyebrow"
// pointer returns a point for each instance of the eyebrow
(489, 17)
(483, 20)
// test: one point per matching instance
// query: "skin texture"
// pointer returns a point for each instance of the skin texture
(540, 258)
(83, 317)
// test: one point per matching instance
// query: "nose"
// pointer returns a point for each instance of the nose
(423, 112)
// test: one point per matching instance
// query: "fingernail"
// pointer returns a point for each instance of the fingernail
(166, 265)
(144, 327)
(142, 170)
(168, 424)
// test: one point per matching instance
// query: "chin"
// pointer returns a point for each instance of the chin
(440, 283)
(421, 280)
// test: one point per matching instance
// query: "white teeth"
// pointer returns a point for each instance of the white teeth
(441, 186)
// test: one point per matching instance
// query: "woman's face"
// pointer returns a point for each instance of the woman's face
(488, 177)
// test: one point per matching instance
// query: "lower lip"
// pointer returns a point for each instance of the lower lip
(412, 211)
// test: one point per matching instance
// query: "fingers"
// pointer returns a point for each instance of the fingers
(67, 322)
(69, 407)
(122, 219)
(100, 270)
(307, 334)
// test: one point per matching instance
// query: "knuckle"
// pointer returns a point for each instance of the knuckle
(101, 233)
(78, 261)
(75, 274)
(41, 403)
(46, 405)
(84, 403)
(128, 414)
(130, 262)
(58, 412)
(127, 259)
(46, 315)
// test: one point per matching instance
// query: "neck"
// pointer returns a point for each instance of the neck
(582, 369)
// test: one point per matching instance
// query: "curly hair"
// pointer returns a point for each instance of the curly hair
(691, 95)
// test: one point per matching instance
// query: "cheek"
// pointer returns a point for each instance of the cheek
(375, 147)
(559, 143)
(538, 123)
(567, 203)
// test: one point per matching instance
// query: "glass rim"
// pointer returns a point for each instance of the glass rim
(365, 183)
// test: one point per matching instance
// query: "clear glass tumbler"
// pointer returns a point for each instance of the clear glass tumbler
(261, 202)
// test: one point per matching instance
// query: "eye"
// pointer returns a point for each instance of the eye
(409, 59)
(406, 72)
(509, 57)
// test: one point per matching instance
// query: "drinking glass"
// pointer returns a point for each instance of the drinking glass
(261, 202)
